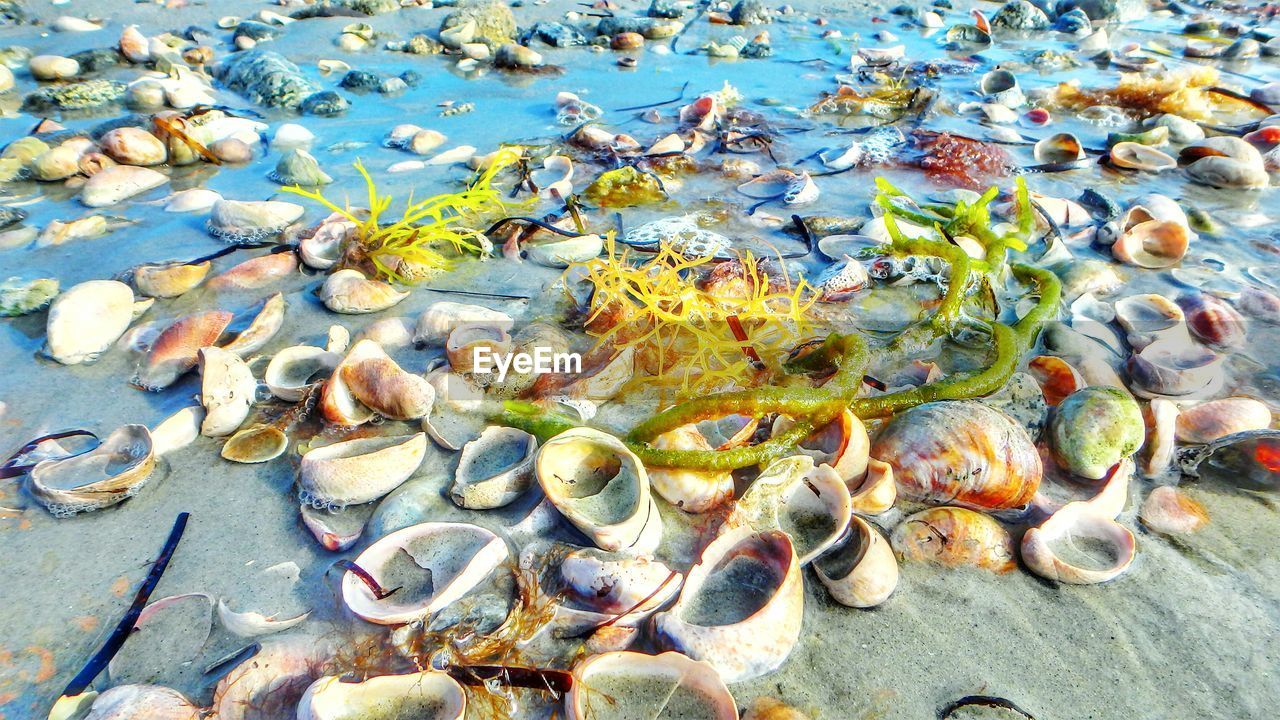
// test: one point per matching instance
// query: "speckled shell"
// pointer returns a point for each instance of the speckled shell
(960, 453)
(954, 537)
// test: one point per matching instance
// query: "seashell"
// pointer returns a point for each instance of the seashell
(841, 444)
(327, 67)
(1136, 156)
(605, 383)
(1213, 321)
(53, 67)
(1153, 244)
(1226, 162)
(323, 248)
(175, 351)
(595, 588)
(169, 280)
(291, 135)
(1072, 524)
(227, 391)
(389, 332)
(1254, 302)
(237, 221)
(121, 182)
(459, 154)
(133, 146)
(861, 572)
(811, 504)
(467, 340)
(840, 246)
(837, 159)
(1206, 422)
(669, 145)
(1150, 317)
(141, 702)
(1059, 148)
(771, 184)
(428, 695)
(1172, 367)
(255, 273)
(1057, 378)
(19, 297)
(453, 558)
(294, 370)
(599, 486)
(265, 325)
(299, 167)
(741, 606)
(1162, 419)
(693, 491)
(269, 683)
(85, 228)
(406, 166)
(255, 444)
(134, 46)
(193, 200)
(1095, 428)
(876, 492)
(494, 469)
(87, 319)
(839, 281)
(109, 474)
(178, 430)
(561, 252)
(254, 624)
(1168, 510)
(680, 686)
(962, 453)
(1001, 86)
(358, 471)
(349, 292)
(58, 163)
(556, 174)
(339, 405)
(382, 385)
(882, 54)
(954, 537)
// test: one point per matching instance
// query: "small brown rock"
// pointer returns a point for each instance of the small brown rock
(627, 41)
(232, 150)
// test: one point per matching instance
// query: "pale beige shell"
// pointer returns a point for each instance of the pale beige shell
(690, 688)
(351, 293)
(1153, 244)
(109, 474)
(1071, 523)
(359, 471)
(693, 491)
(428, 695)
(862, 572)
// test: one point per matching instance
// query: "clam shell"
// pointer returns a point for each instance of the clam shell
(295, 369)
(467, 341)
(1057, 378)
(810, 503)
(178, 430)
(1213, 321)
(861, 572)
(605, 383)
(87, 319)
(142, 702)
(453, 557)
(1001, 86)
(1210, 421)
(556, 174)
(1168, 510)
(383, 386)
(435, 324)
(1172, 367)
(648, 686)
(1153, 244)
(254, 273)
(269, 683)
(262, 329)
(351, 293)
(339, 405)
(428, 695)
(954, 537)
(175, 351)
(1150, 317)
(962, 453)
(842, 444)
(169, 280)
(561, 252)
(255, 444)
(494, 469)
(1136, 156)
(323, 248)
(227, 391)
(1162, 420)
(116, 184)
(1226, 162)
(359, 471)
(598, 485)
(693, 491)
(254, 624)
(741, 607)
(1072, 523)
(594, 588)
(238, 221)
(109, 474)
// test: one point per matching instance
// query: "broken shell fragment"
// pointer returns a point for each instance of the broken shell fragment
(142, 702)
(87, 319)
(1213, 321)
(359, 471)
(439, 562)
(596, 588)
(236, 221)
(810, 503)
(1078, 525)
(954, 537)
(1056, 377)
(109, 474)
(666, 685)
(876, 492)
(435, 324)
(1153, 244)
(861, 572)
(693, 491)
(169, 280)
(293, 370)
(1136, 156)
(842, 444)
(227, 391)
(349, 292)
(1149, 317)
(1168, 510)
(494, 469)
(556, 175)
(383, 386)
(469, 341)
(1210, 421)
(178, 430)
(255, 273)
(428, 695)
(254, 624)
(175, 351)
(598, 485)
(741, 607)
(262, 329)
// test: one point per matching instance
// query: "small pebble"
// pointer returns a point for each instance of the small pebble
(53, 67)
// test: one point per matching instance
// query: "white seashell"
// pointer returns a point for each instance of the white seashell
(138, 702)
(466, 341)
(1231, 163)
(1153, 244)
(406, 166)
(262, 329)
(594, 588)
(1210, 421)
(1072, 523)
(358, 471)
(455, 557)
(87, 319)
(556, 174)
(1158, 450)
(693, 491)
(810, 503)
(1059, 148)
(604, 384)
(1175, 368)
(121, 182)
(737, 633)
(291, 135)
(561, 252)
(324, 247)
(669, 145)
(227, 391)
(327, 67)
(193, 200)
(1147, 318)
(428, 695)
(178, 430)
(883, 54)
(459, 154)
(1136, 156)
(598, 485)
(494, 469)
(295, 369)
(351, 293)
(442, 318)
(836, 159)
(863, 571)
(394, 332)
(842, 444)
(109, 474)
(688, 688)
(253, 624)
(1168, 510)
(250, 221)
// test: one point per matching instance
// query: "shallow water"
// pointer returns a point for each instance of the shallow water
(1190, 631)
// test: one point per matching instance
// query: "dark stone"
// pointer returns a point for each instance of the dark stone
(265, 78)
(1073, 21)
(1020, 15)
(255, 31)
(411, 77)
(97, 59)
(13, 13)
(361, 81)
(555, 34)
(751, 12)
(1107, 10)
(324, 104)
(11, 216)
(669, 9)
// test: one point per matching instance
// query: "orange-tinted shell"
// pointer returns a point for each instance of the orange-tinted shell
(954, 537)
(960, 453)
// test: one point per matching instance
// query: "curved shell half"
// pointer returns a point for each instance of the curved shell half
(1075, 522)
(227, 391)
(494, 469)
(87, 319)
(142, 702)
(359, 471)
(109, 474)
(349, 292)
(693, 491)
(428, 695)
(295, 369)
(862, 572)
(809, 503)
(382, 385)
(634, 685)
(953, 537)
